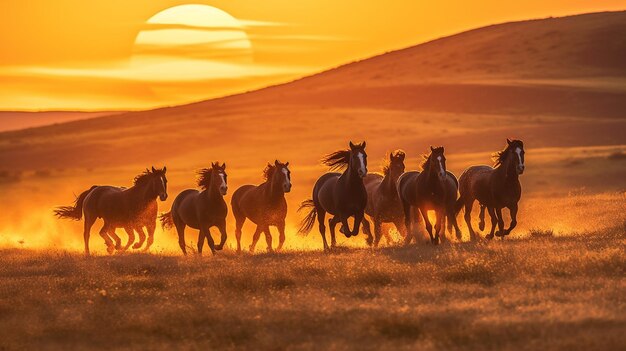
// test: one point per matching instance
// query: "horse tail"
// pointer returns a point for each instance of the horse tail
(309, 221)
(74, 212)
(459, 205)
(167, 221)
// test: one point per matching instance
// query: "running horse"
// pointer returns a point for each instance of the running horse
(434, 188)
(265, 205)
(118, 207)
(201, 209)
(383, 202)
(342, 195)
(495, 188)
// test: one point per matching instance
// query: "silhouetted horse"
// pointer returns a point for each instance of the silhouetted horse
(495, 188)
(118, 207)
(383, 202)
(432, 189)
(201, 209)
(341, 194)
(264, 205)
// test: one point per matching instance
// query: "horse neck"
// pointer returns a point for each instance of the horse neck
(273, 191)
(139, 195)
(506, 171)
(211, 191)
(432, 179)
(389, 185)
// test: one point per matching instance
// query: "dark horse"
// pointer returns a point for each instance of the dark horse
(118, 207)
(201, 209)
(341, 194)
(432, 189)
(264, 205)
(495, 188)
(383, 202)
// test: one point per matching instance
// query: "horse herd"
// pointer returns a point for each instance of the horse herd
(396, 197)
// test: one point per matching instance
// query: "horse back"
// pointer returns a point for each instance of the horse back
(405, 183)
(474, 183)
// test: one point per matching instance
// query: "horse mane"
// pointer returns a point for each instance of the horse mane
(143, 177)
(204, 178)
(337, 160)
(500, 156)
(268, 172)
(387, 162)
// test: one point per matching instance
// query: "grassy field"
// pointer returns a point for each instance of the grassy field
(542, 292)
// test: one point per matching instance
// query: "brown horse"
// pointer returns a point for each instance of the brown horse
(264, 205)
(383, 202)
(432, 189)
(341, 194)
(201, 209)
(118, 207)
(494, 188)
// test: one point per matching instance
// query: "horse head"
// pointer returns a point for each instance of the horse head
(158, 182)
(437, 161)
(219, 177)
(516, 148)
(395, 167)
(281, 175)
(358, 159)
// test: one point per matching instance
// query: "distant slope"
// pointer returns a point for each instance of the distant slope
(14, 120)
(553, 82)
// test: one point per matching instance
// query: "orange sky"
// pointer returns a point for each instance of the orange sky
(74, 54)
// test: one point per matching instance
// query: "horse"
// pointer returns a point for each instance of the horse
(264, 205)
(201, 209)
(342, 195)
(383, 202)
(495, 188)
(434, 188)
(118, 207)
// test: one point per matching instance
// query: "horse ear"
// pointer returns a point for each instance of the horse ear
(223, 165)
(153, 169)
(276, 163)
(164, 169)
(391, 157)
(508, 141)
(432, 148)
(287, 164)
(351, 145)
(363, 144)
(401, 156)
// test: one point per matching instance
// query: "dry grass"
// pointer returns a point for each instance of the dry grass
(551, 293)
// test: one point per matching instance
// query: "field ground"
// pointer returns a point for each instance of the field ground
(537, 293)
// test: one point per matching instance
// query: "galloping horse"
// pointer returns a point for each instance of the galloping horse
(341, 194)
(495, 188)
(432, 189)
(383, 203)
(118, 207)
(201, 209)
(264, 205)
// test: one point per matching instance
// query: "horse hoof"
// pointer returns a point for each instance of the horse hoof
(110, 250)
(489, 236)
(136, 246)
(500, 234)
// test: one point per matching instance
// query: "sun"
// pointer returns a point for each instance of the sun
(194, 32)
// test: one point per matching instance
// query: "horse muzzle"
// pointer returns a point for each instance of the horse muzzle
(163, 196)
(223, 190)
(520, 169)
(287, 188)
(362, 173)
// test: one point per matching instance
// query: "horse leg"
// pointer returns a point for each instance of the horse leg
(116, 238)
(239, 221)
(131, 237)
(367, 229)
(401, 228)
(201, 235)
(451, 217)
(268, 238)
(142, 238)
(481, 216)
(107, 241)
(429, 227)
(500, 231)
(378, 231)
(332, 223)
(468, 218)
(255, 237)
(89, 220)
(358, 218)
(180, 229)
(209, 238)
(281, 235)
(494, 220)
(150, 229)
(321, 217)
(513, 211)
(440, 232)
(222, 228)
